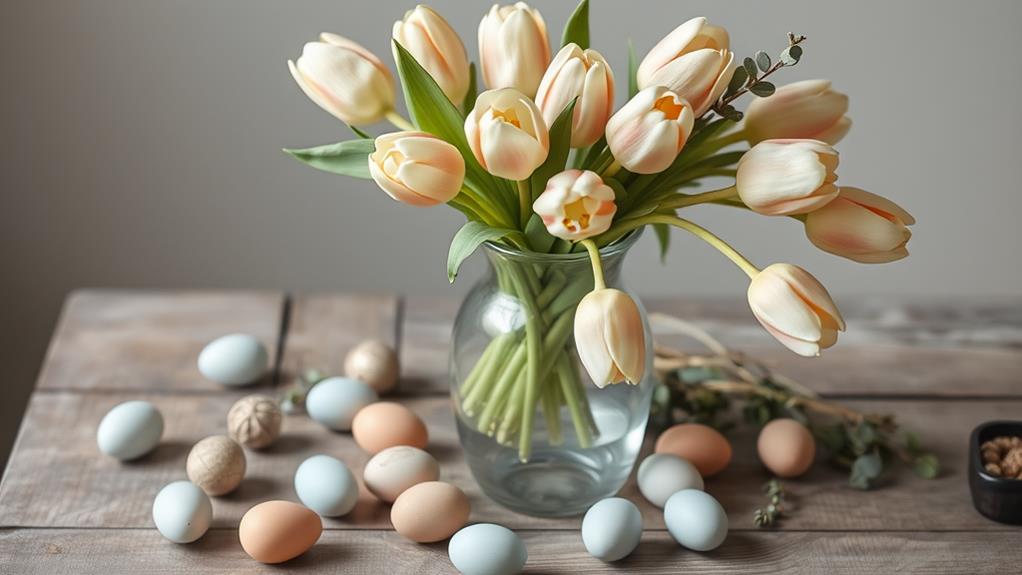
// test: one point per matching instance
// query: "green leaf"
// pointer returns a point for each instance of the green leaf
(763, 60)
(358, 132)
(577, 29)
(912, 443)
(633, 72)
(762, 89)
(349, 158)
(865, 470)
(560, 145)
(738, 80)
(468, 238)
(473, 90)
(663, 238)
(750, 67)
(539, 239)
(791, 55)
(926, 466)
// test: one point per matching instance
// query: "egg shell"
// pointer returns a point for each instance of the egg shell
(786, 447)
(236, 359)
(487, 549)
(335, 401)
(393, 470)
(326, 485)
(182, 512)
(254, 421)
(611, 529)
(275, 531)
(696, 520)
(216, 464)
(130, 430)
(701, 445)
(663, 474)
(430, 511)
(375, 363)
(386, 424)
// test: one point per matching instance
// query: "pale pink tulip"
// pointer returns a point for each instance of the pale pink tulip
(585, 75)
(417, 168)
(609, 337)
(513, 48)
(344, 79)
(507, 134)
(648, 132)
(692, 61)
(806, 110)
(576, 205)
(436, 47)
(861, 226)
(795, 308)
(784, 177)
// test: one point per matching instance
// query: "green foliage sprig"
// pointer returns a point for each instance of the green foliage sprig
(768, 515)
(748, 76)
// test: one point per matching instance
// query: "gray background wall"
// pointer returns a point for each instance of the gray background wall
(141, 149)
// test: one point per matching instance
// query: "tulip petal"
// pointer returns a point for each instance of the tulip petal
(589, 340)
(625, 337)
(775, 303)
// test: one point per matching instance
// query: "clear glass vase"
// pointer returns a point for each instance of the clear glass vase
(558, 447)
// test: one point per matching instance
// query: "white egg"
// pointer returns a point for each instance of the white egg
(661, 475)
(130, 430)
(237, 359)
(397, 468)
(487, 549)
(335, 401)
(182, 512)
(696, 520)
(325, 485)
(611, 529)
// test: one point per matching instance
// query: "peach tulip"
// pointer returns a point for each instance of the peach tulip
(795, 308)
(861, 226)
(585, 75)
(610, 338)
(692, 61)
(648, 132)
(784, 177)
(417, 168)
(436, 47)
(344, 79)
(805, 110)
(576, 205)
(513, 48)
(507, 134)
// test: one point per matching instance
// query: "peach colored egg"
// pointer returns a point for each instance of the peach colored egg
(430, 511)
(385, 424)
(701, 445)
(786, 447)
(275, 531)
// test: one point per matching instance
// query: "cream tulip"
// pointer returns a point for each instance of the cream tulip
(585, 75)
(693, 61)
(648, 132)
(417, 168)
(344, 79)
(795, 308)
(436, 47)
(785, 177)
(609, 337)
(576, 205)
(807, 110)
(861, 226)
(513, 48)
(507, 134)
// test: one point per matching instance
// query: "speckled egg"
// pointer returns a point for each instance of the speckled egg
(430, 511)
(335, 401)
(386, 424)
(182, 512)
(275, 531)
(393, 470)
(663, 474)
(696, 520)
(236, 359)
(701, 445)
(786, 447)
(130, 430)
(487, 549)
(326, 485)
(611, 529)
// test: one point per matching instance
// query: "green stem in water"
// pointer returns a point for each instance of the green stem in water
(398, 120)
(683, 200)
(524, 202)
(594, 257)
(532, 367)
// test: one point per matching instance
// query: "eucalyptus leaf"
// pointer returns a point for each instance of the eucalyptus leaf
(663, 238)
(468, 238)
(577, 29)
(750, 68)
(633, 71)
(762, 89)
(791, 55)
(763, 60)
(926, 466)
(349, 158)
(738, 80)
(865, 470)
(560, 145)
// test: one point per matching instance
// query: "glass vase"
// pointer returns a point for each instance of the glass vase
(555, 447)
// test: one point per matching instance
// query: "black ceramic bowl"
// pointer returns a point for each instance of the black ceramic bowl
(996, 497)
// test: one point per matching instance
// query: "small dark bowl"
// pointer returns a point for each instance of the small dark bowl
(998, 498)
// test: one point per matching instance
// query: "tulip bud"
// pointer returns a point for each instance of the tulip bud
(507, 134)
(417, 168)
(437, 48)
(513, 48)
(648, 132)
(610, 338)
(576, 205)
(693, 61)
(344, 79)
(581, 74)
(785, 177)
(795, 308)
(861, 226)
(804, 110)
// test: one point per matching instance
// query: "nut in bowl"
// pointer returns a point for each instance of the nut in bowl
(995, 494)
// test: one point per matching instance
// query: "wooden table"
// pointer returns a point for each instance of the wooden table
(66, 508)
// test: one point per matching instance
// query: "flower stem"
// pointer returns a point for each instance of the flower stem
(524, 202)
(594, 256)
(611, 169)
(398, 120)
(682, 200)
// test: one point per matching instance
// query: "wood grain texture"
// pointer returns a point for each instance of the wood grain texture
(150, 340)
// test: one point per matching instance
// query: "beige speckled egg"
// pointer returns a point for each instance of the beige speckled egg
(393, 470)
(254, 421)
(216, 464)
(701, 445)
(385, 424)
(374, 363)
(430, 511)
(275, 531)
(786, 447)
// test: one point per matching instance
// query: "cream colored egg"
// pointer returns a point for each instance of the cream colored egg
(374, 363)
(254, 421)
(393, 470)
(430, 511)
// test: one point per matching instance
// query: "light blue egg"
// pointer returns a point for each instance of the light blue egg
(325, 485)
(130, 430)
(611, 529)
(236, 359)
(696, 520)
(335, 401)
(487, 549)
(182, 512)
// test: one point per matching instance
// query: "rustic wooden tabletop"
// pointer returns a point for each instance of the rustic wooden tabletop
(65, 508)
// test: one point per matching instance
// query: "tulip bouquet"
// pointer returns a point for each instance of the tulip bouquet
(541, 162)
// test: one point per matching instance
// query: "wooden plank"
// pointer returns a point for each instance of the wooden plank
(426, 340)
(57, 477)
(150, 340)
(83, 552)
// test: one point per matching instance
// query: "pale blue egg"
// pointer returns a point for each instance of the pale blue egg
(182, 512)
(325, 485)
(236, 359)
(335, 401)
(611, 529)
(130, 430)
(487, 549)
(696, 520)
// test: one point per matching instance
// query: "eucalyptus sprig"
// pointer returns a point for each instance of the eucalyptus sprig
(747, 77)
(768, 515)
(293, 398)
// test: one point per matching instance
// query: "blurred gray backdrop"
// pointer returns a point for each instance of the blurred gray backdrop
(141, 148)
